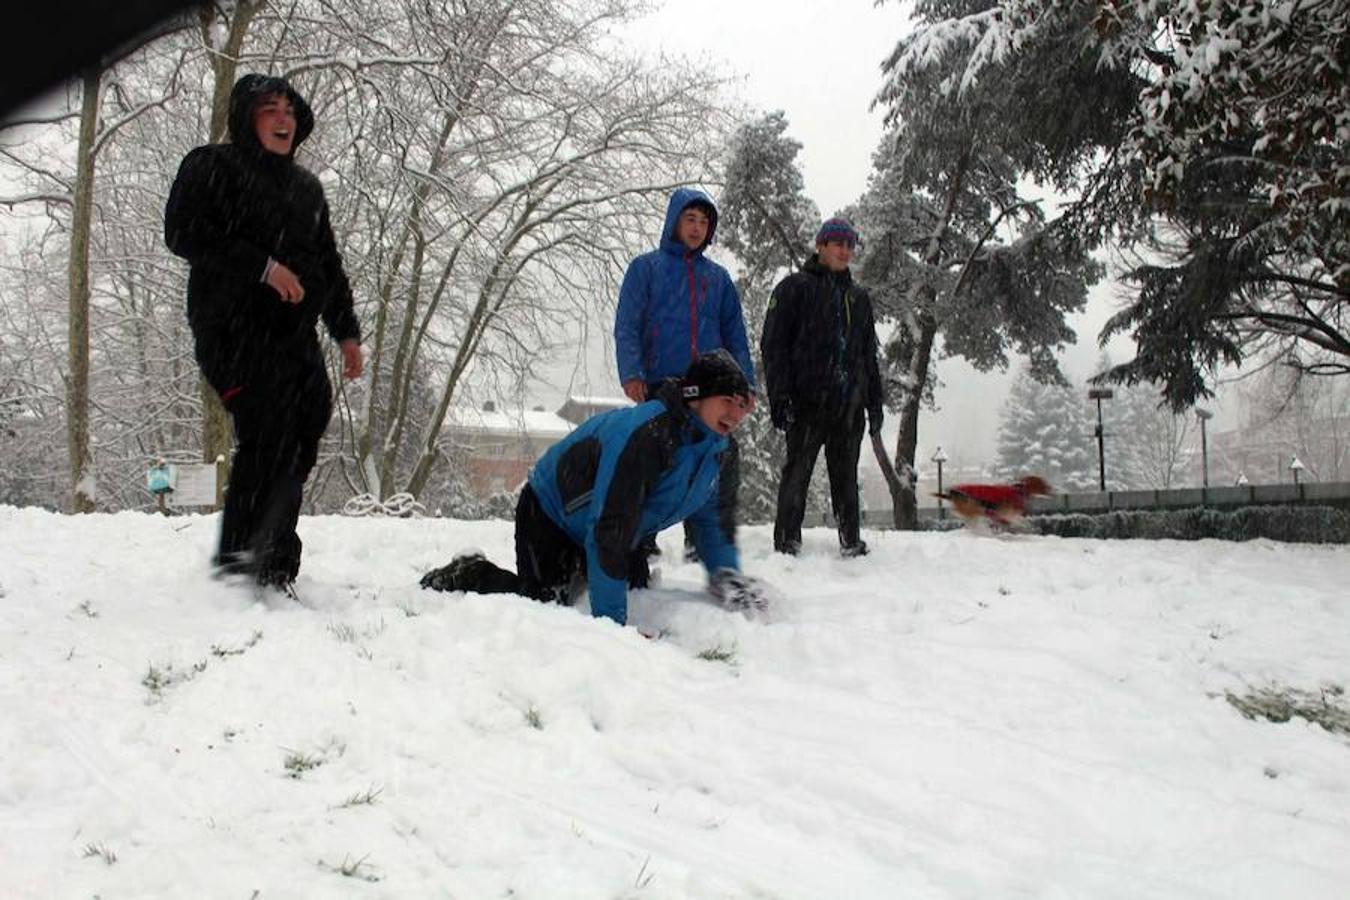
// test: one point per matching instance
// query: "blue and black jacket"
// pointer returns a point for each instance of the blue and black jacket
(633, 472)
(676, 304)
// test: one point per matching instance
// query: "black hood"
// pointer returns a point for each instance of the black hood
(248, 90)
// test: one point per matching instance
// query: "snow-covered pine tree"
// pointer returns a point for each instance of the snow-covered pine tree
(1226, 163)
(955, 244)
(1154, 445)
(1047, 430)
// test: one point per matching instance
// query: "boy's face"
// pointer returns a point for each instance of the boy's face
(691, 228)
(722, 414)
(274, 122)
(834, 255)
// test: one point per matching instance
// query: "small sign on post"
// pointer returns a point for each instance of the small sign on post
(196, 484)
(183, 485)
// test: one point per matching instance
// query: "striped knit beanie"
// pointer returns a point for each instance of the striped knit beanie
(837, 229)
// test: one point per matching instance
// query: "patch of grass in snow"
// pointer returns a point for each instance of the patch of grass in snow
(158, 679)
(221, 652)
(719, 653)
(644, 877)
(346, 634)
(297, 764)
(102, 851)
(533, 718)
(352, 868)
(362, 798)
(1279, 703)
(86, 607)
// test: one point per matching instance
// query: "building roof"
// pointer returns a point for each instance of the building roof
(509, 422)
(579, 409)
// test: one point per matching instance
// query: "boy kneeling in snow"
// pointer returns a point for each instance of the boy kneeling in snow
(621, 476)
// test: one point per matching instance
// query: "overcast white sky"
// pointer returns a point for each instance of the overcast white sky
(820, 62)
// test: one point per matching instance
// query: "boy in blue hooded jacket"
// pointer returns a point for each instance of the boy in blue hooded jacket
(620, 477)
(675, 304)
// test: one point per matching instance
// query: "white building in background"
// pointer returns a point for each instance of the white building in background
(500, 444)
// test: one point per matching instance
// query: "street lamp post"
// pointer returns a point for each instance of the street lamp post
(1204, 416)
(939, 457)
(1296, 466)
(1100, 394)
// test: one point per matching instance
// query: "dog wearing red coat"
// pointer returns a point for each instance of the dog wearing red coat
(1001, 505)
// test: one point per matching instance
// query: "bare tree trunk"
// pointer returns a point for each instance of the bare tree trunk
(904, 501)
(920, 332)
(83, 486)
(488, 301)
(216, 432)
(389, 418)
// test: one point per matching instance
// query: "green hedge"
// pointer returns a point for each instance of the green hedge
(1300, 524)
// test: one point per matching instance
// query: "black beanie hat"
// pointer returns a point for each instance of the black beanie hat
(714, 374)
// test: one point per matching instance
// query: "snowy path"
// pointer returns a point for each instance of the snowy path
(952, 717)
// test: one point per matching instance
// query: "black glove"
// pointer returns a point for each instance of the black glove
(737, 592)
(780, 412)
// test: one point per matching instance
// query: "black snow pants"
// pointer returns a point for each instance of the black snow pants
(842, 440)
(550, 566)
(277, 428)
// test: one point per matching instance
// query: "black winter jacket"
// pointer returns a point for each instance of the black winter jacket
(820, 347)
(231, 207)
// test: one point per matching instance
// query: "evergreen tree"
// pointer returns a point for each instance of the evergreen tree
(955, 245)
(1047, 430)
(1153, 444)
(1226, 161)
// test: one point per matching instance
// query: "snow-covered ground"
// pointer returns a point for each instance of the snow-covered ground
(955, 716)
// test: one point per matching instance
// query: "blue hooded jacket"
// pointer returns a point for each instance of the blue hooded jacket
(629, 473)
(676, 303)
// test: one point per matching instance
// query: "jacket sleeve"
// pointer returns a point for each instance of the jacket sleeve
(714, 524)
(876, 396)
(629, 318)
(194, 224)
(619, 498)
(338, 314)
(775, 344)
(733, 328)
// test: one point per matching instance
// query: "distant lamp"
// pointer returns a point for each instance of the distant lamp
(939, 457)
(1100, 394)
(1296, 466)
(1204, 416)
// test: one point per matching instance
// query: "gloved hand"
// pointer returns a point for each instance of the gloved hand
(874, 424)
(780, 412)
(737, 591)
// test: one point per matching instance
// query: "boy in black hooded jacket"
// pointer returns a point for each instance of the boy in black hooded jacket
(254, 227)
(820, 370)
